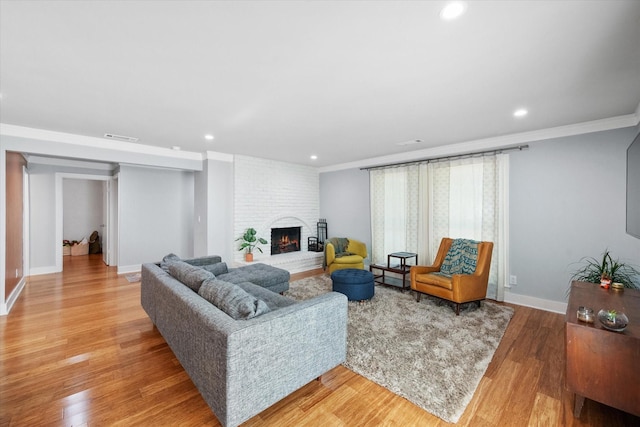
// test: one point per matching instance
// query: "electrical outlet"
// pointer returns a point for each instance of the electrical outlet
(513, 279)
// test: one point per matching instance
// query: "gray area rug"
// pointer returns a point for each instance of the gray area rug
(420, 351)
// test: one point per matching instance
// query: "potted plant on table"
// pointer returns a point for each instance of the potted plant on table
(607, 271)
(249, 241)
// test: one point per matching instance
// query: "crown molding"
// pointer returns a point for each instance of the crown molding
(495, 142)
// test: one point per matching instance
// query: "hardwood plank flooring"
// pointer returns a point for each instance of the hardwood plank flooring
(78, 350)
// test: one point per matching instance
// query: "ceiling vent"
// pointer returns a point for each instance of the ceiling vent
(121, 137)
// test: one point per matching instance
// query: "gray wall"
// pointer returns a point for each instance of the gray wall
(213, 223)
(42, 211)
(220, 239)
(567, 200)
(344, 202)
(42, 222)
(200, 209)
(155, 214)
(82, 211)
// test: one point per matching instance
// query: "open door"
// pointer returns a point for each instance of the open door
(110, 221)
(104, 227)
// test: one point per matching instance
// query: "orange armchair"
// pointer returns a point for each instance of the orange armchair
(457, 288)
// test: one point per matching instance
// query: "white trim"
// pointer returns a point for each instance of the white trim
(495, 142)
(83, 148)
(124, 269)
(3, 225)
(6, 308)
(90, 141)
(214, 155)
(539, 303)
(37, 271)
(56, 161)
(26, 222)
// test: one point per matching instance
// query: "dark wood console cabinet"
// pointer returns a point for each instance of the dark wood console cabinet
(603, 365)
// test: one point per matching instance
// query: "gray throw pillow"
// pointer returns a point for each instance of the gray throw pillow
(168, 259)
(188, 274)
(232, 299)
(217, 269)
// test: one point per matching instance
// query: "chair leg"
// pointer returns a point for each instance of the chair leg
(457, 309)
(418, 296)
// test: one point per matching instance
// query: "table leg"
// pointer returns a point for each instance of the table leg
(578, 402)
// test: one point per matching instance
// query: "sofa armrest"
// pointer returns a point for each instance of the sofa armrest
(269, 359)
(469, 287)
(422, 269)
(329, 252)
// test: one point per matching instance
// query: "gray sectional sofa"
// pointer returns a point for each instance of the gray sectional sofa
(242, 366)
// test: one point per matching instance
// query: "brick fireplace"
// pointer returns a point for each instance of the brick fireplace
(270, 194)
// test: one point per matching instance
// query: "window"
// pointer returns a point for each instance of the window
(414, 207)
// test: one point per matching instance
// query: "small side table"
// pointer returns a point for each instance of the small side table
(403, 256)
(402, 269)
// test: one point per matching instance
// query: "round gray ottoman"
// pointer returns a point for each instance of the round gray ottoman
(357, 285)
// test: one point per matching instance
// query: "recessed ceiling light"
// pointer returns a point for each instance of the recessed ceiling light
(314, 157)
(208, 137)
(453, 10)
(175, 147)
(520, 112)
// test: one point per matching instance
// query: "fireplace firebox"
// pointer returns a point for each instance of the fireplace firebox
(285, 240)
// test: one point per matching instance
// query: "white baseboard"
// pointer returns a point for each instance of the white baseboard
(6, 308)
(43, 270)
(539, 303)
(125, 269)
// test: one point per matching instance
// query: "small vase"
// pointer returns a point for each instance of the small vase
(248, 257)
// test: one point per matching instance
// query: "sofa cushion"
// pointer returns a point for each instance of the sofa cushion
(258, 273)
(348, 259)
(188, 274)
(461, 258)
(217, 269)
(168, 259)
(436, 279)
(232, 299)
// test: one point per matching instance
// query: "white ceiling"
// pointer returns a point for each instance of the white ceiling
(339, 79)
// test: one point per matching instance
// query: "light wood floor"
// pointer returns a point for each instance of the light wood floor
(77, 349)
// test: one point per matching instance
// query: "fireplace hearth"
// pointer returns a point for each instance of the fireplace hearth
(285, 240)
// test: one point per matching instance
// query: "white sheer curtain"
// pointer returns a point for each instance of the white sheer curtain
(414, 207)
(469, 201)
(395, 198)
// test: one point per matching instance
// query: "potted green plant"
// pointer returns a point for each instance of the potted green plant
(607, 270)
(250, 240)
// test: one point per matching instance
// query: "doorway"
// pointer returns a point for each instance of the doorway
(96, 196)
